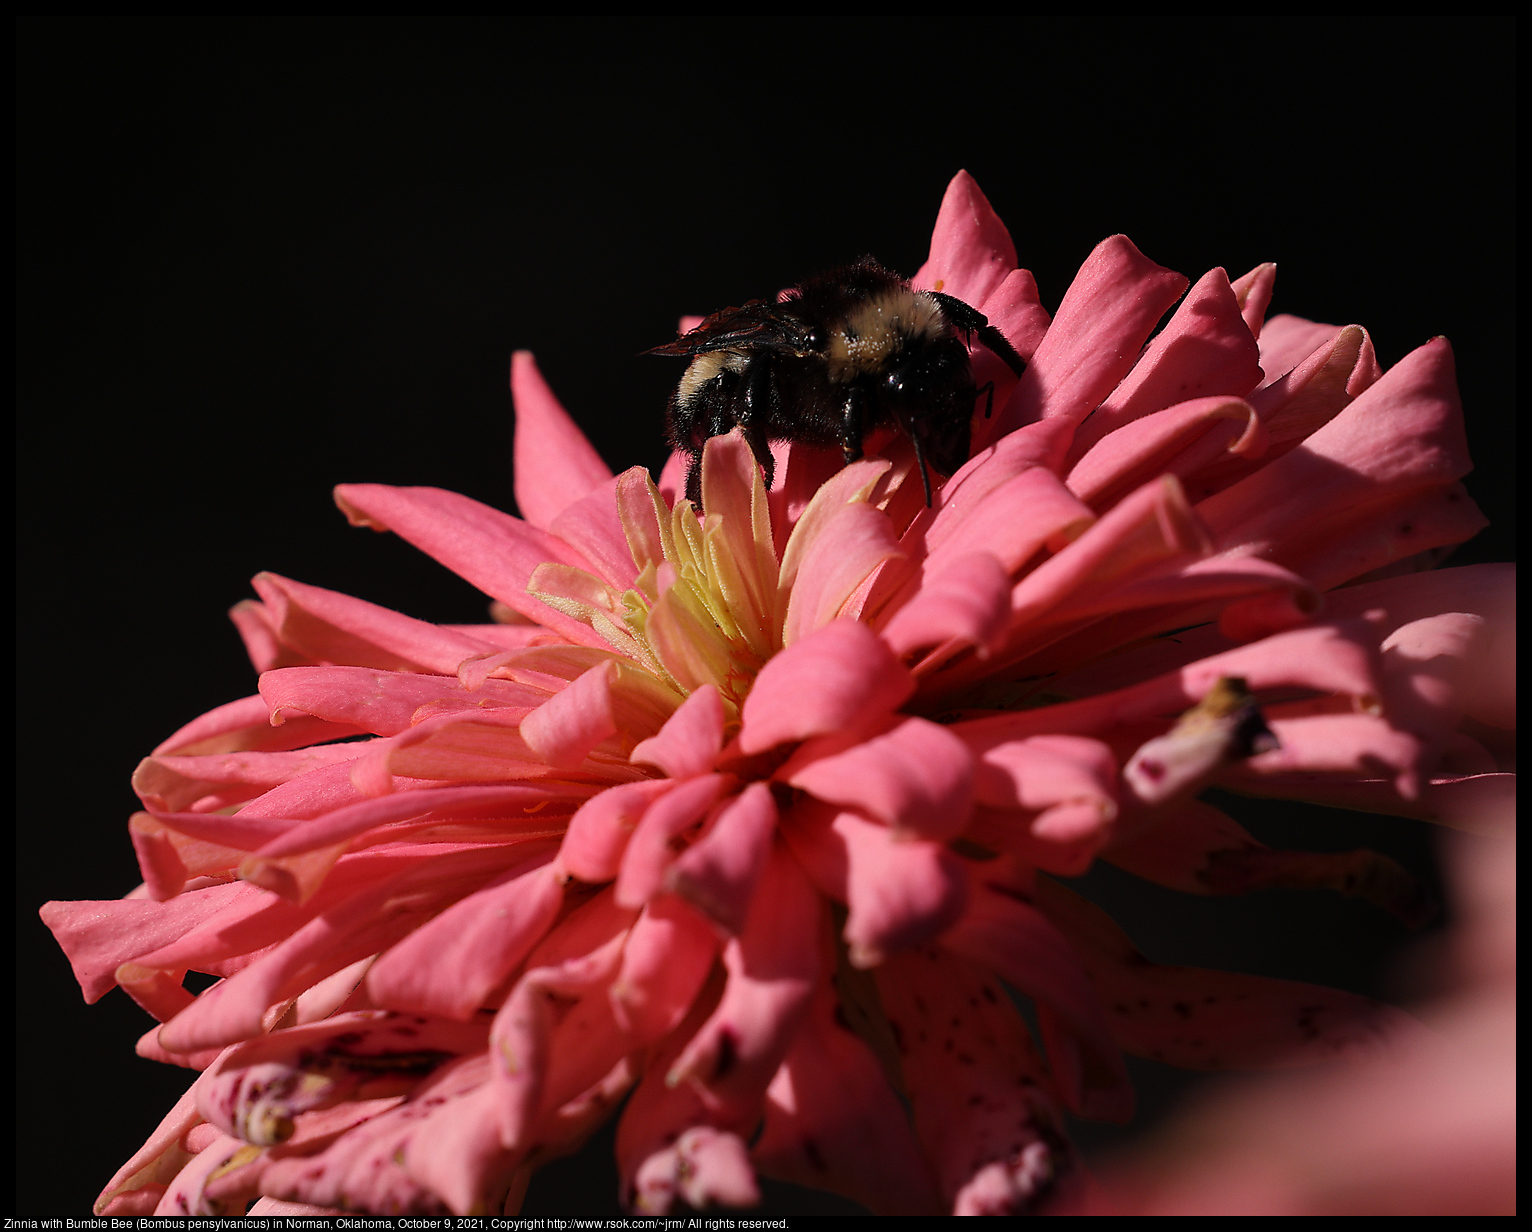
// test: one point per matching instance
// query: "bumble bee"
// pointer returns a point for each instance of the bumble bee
(844, 353)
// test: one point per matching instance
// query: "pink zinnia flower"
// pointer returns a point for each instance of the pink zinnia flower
(751, 818)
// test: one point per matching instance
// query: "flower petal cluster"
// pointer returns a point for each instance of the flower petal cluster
(751, 818)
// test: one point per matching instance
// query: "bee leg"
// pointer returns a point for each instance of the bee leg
(852, 426)
(920, 461)
(988, 390)
(752, 413)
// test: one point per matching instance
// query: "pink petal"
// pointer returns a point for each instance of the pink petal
(664, 965)
(691, 739)
(175, 784)
(456, 1155)
(1398, 444)
(551, 1022)
(1359, 744)
(1016, 310)
(648, 853)
(853, 541)
(833, 1123)
(450, 966)
(917, 778)
(1252, 291)
(1180, 440)
(1009, 937)
(598, 833)
(773, 966)
(566, 727)
(1285, 340)
(1107, 314)
(1200, 1019)
(835, 676)
(1299, 403)
(900, 892)
(1488, 691)
(971, 251)
(554, 464)
(978, 1089)
(185, 1196)
(1205, 349)
(592, 526)
(384, 703)
(99, 937)
(330, 627)
(1038, 773)
(1015, 519)
(494, 551)
(232, 1010)
(717, 874)
(246, 724)
(966, 604)
(517, 810)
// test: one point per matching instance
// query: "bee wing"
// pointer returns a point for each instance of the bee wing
(757, 326)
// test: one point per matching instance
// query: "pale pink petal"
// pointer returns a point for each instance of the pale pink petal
(738, 535)
(1107, 314)
(917, 778)
(978, 1090)
(1205, 349)
(648, 853)
(717, 874)
(1200, 1019)
(364, 1169)
(457, 1155)
(971, 251)
(705, 1167)
(690, 741)
(450, 966)
(185, 1195)
(664, 965)
(837, 675)
(138, 1185)
(1009, 937)
(832, 1121)
(1040, 773)
(554, 464)
(257, 627)
(1179, 440)
(1252, 291)
(598, 833)
(258, 1089)
(966, 604)
(494, 551)
(773, 966)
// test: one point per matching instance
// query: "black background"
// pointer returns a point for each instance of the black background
(258, 258)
